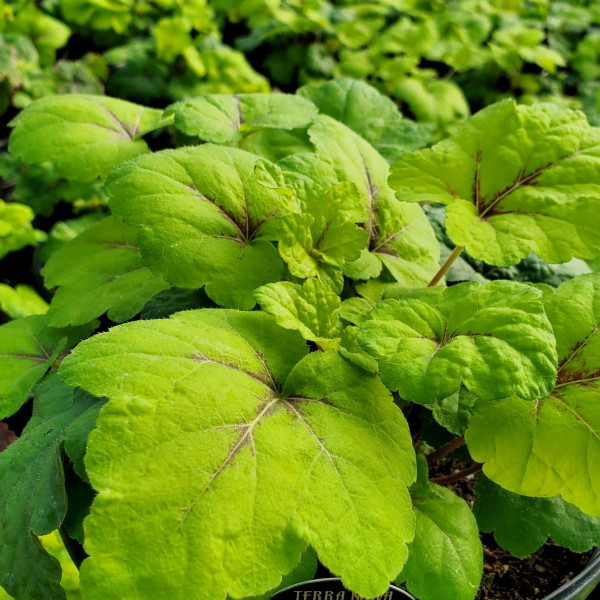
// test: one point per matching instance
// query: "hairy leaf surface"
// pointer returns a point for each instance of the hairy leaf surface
(244, 471)
(200, 214)
(445, 560)
(99, 271)
(399, 235)
(522, 525)
(84, 137)
(552, 446)
(493, 338)
(32, 493)
(515, 179)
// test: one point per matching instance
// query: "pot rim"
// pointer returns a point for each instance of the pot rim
(587, 577)
(568, 591)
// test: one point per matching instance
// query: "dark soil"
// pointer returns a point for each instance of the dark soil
(504, 576)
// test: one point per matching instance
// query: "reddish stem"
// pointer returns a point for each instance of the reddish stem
(446, 449)
(474, 468)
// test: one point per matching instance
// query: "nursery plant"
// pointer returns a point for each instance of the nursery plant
(224, 373)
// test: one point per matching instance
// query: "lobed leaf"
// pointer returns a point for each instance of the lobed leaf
(28, 348)
(493, 338)
(369, 113)
(200, 213)
(83, 136)
(229, 119)
(522, 525)
(271, 454)
(32, 494)
(399, 235)
(311, 308)
(514, 179)
(551, 446)
(100, 271)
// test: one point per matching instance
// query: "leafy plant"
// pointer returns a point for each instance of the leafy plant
(295, 335)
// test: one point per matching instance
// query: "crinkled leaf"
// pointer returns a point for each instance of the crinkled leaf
(258, 471)
(493, 338)
(552, 446)
(320, 241)
(32, 494)
(445, 560)
(200, 213)
(522, 525)
(311, 308)
(229, 119)
(100, 271)
(28, 347)
(515, 179)
(21, 301)
(16, 230)
(399, 234)
(84, 137)
(369, 113)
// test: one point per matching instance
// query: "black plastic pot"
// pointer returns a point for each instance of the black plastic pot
(578, 588)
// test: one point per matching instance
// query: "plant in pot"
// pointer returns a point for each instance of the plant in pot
(280, 312)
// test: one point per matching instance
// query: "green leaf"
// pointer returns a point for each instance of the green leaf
(229, 119)
(84, 137)
(304, 571)
(98, 272)
(400, 236)
(16, 230)
(32, 494)
(454, 412)
(352, 352)
(322, 459)
(551, 446)
(522, 525)
(369, 113)
(173, 300)
(28, 348)
(445, 560)
(493, 338)
(21, 301)
(311, 308)
(514, 179)
(320, 241)
(200, 214)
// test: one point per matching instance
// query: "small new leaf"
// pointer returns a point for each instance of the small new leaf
(84, 137)
(99, 271)
(493, 338)
(311, 308)
(514, 179)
